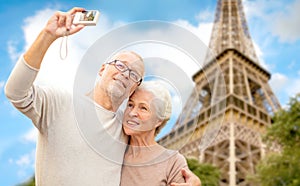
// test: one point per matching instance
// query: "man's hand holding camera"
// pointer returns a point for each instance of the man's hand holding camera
(61, 23)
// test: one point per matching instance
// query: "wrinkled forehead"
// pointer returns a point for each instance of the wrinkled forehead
(131, 59)
(142, 96)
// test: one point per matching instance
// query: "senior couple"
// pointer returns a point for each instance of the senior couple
(76, 150)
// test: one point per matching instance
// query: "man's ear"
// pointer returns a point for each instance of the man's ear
(101, 69)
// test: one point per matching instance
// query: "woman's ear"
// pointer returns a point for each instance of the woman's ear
(158, 123)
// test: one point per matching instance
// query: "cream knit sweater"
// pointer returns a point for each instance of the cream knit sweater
(79, 142)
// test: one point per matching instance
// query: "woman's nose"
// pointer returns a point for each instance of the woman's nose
(133, 112)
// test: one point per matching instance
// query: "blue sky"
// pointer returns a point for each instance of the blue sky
(274, 27)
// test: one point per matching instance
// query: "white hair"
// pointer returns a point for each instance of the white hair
(162, 100)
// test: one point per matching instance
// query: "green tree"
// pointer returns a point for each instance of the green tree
(208, 174)
(283, 168)
(30, 182)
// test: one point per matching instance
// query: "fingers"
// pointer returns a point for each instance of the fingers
(186, 173)
(66, 18)
(190, 177)
(75, 29)
(75, 9)
(63, 21)
(70, 16)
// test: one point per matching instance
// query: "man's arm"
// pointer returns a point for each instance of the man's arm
(20, 80)
(19, 87)
(190, 178)
(57, 26)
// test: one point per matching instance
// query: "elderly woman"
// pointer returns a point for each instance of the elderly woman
(146, 162)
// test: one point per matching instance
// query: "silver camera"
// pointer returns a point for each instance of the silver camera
(87, 17)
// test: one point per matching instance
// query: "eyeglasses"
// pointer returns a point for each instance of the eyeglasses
(119, 65)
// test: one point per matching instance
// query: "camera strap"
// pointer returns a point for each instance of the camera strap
(64, 44)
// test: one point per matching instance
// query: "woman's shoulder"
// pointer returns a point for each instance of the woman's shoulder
(174, 156)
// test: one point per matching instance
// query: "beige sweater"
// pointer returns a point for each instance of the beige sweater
(153, 166)
(79, 143)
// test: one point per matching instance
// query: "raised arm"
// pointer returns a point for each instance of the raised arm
(24, 73)
(57, 26)
(19, 87)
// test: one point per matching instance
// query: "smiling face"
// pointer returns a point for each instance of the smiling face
(116, 83)
(140, 115)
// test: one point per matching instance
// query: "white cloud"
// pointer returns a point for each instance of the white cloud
(12, 50)
(203, 30)
(285, 86)
(293, 87)
(278, 82)
(254, 8)
(286, 23)
(23, 160)
(280, 18)
(205, 16)
(262, 9)
(33, 25)
(25, 164)
(31, 135)
(259, 55)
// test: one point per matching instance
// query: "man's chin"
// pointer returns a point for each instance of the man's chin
(117, 92)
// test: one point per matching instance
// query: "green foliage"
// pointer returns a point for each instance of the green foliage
(286, 127)
(208, 174)
(30, 182)
(284, 168)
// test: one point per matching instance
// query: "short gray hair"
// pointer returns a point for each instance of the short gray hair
(162, 101)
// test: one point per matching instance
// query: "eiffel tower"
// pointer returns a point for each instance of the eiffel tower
(231, 105)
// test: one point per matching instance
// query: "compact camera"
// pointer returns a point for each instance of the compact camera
(87, 17)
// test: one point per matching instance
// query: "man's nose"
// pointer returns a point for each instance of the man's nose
(126, 74)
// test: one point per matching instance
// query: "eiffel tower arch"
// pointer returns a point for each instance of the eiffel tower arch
(231, 105)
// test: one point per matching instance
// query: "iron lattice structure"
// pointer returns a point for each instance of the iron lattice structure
(231, 105)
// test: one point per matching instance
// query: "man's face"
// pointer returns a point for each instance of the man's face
(118, 84)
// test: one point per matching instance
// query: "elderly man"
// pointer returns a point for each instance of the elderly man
(68, 152)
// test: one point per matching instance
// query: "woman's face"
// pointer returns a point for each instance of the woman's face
(140, 114)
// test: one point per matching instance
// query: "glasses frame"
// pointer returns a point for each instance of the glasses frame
(114, 62)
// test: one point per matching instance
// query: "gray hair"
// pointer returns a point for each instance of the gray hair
(162, 101)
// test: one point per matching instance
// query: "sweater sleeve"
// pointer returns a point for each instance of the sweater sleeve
(177, 162)
(20, 80)
(39, 104)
